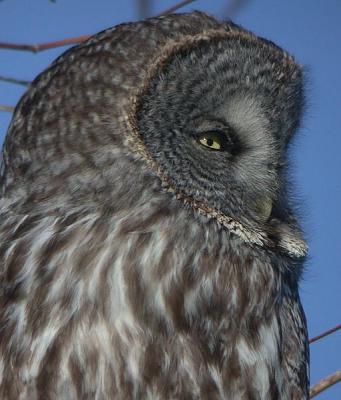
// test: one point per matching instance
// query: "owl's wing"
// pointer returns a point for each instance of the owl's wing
(295, 346)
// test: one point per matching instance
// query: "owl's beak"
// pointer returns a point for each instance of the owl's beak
(264, 208)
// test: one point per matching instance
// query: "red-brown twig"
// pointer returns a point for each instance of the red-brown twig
(6, 108)
(170, 10)
(326, 333)
(234, 6)
(14, 80)
(35, 48)
(325, 384)
(143, 8)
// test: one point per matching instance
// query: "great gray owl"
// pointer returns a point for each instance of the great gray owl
(148, 246)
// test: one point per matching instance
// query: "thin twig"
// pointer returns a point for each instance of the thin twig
(234, 6)
(6, 108)
(143, 7)
(176, 7)
(35, 48)
(14, 80)
(326, 333)
(325, 384)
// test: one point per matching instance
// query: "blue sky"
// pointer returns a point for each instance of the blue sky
(311, 30)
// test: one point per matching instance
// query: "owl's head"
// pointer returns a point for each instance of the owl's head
(214, 116)
(207, 106)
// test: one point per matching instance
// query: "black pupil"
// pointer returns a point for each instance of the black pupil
(209, 142)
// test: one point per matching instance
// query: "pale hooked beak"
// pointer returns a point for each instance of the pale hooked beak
(264, 208)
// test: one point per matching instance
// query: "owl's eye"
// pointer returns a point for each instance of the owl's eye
(217, 140)
(213, 140)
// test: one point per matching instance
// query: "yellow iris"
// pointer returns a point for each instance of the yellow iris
(211, 140)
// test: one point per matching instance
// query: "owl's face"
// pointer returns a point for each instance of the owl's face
(216, 115)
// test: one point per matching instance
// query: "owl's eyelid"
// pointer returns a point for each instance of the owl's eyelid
(212, 131)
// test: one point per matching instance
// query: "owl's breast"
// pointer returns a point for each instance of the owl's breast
(200, 317)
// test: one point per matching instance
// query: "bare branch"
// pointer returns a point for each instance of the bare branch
(176, 7)
(326, 333)
(14, 80)
(6, 108)
(325, 384)
(234, 6)
(143, 7)
(35, 48)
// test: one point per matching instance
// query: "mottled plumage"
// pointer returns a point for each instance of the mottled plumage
(138, 261)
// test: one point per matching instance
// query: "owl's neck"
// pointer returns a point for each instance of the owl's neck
(159, 262)
(190, 273)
